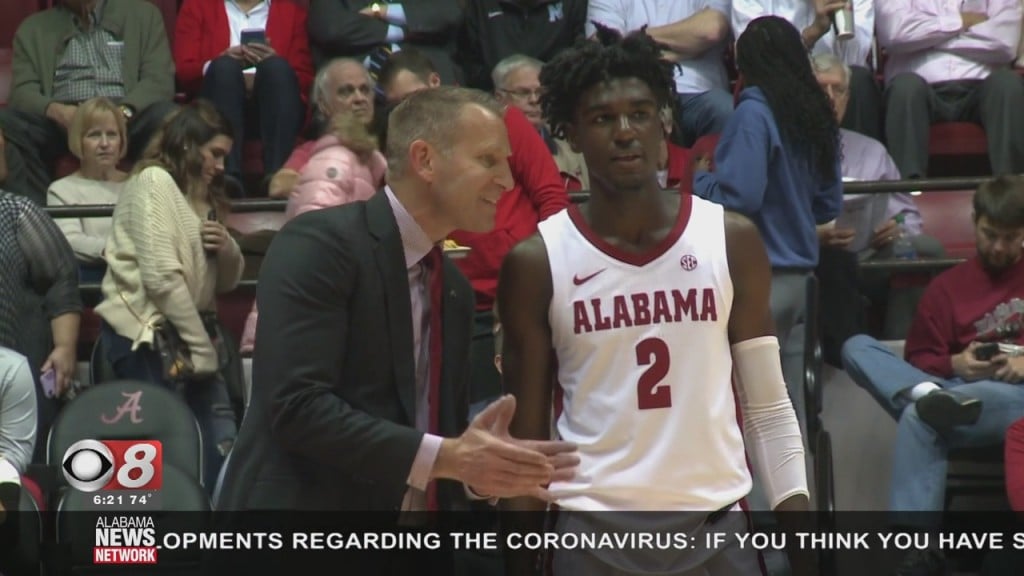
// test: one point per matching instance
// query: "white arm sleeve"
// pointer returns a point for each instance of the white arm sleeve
(770, 427)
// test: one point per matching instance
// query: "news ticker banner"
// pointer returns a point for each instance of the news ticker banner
(132, 538)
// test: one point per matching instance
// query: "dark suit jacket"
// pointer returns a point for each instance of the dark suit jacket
(336, 28)
(331, 422)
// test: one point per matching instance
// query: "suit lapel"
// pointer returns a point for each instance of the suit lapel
(390, 259)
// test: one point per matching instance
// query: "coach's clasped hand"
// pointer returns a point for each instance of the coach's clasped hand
(493, 463)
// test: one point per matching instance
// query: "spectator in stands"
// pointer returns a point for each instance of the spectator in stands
(345, 167)
(39, 283)
(342, 85)
(537, 194)
(3, 159)
(98, 137)
(814, 20)
(694, 33)
(18, 412)
(494, 30)
(259, 87)
(517, 83)
(947, 395)
(1015, 465)
(168, 257)
(373, 30)
(77, 50)
(864, 159)
(777, 163)
(948, 63)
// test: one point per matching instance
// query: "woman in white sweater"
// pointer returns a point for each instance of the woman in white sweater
(168, 257)
(98, 137)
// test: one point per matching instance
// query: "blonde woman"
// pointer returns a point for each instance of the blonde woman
(168, 257)
(345, 167)
(98, 138)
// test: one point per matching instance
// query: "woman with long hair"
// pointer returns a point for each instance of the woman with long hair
(346, 166)
(777, 160)
(168, 257)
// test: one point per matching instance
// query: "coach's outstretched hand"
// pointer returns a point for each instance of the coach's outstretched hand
(493, 463)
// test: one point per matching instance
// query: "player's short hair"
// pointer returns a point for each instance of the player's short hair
(608, 55)
(1001, 201)
(431, 116)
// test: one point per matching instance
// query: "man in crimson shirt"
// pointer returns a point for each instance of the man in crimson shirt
(944, 396)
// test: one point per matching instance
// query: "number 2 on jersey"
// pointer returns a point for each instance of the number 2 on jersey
(653, 353)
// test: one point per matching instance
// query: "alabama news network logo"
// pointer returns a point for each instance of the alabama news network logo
(95, 465)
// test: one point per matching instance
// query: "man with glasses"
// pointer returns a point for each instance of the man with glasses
(960, 384)
(517, 83)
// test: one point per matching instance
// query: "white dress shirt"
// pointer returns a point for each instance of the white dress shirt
(695, 75)
(801, 13)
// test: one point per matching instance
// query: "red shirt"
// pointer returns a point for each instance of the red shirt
(538, 193)
(1015, 465)
(963, 304)
(202, 34)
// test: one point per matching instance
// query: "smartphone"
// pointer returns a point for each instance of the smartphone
(253, 36)
(49, 383)
(986, 352)
(212, 217)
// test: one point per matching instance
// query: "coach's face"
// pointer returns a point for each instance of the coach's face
(618, 130)
(470, 178)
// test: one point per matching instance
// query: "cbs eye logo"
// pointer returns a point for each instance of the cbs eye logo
(93, 465)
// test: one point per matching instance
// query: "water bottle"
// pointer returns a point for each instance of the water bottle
(902, 246)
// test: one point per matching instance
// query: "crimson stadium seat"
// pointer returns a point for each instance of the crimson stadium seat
(957, 149)
(946, 218)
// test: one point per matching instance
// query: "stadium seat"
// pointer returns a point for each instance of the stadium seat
(77, 516)
(957, 149)
(161, 415)
(21, 537)
(946, 217)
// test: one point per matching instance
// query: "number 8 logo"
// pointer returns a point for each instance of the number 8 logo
(138, 457)
(93, 465)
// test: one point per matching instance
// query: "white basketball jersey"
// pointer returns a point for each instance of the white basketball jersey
(644, 366)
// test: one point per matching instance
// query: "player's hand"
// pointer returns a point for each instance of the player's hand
(493, 464)
(885, 234)
(966, 366)
(1011, 368)
(835, 237)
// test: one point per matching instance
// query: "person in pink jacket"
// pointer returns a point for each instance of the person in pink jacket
(345, 167)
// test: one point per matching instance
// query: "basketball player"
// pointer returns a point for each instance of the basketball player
(645, 304)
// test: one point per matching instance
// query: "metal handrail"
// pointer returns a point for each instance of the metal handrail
(94, 287)
(916, 265)
(267, 205)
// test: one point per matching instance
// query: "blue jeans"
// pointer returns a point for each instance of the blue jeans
(207, 398)
(918, 481)
(704, 113)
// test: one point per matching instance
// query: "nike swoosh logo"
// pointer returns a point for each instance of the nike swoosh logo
(494, 14)
(579, 281)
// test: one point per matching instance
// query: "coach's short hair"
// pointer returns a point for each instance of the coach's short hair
(431, 115)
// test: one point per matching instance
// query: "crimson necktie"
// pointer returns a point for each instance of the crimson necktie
(435, 269)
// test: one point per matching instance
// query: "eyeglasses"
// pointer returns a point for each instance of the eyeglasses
(524, 94)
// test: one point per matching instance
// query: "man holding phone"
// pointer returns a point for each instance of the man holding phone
(955, 388)
(251, 59)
